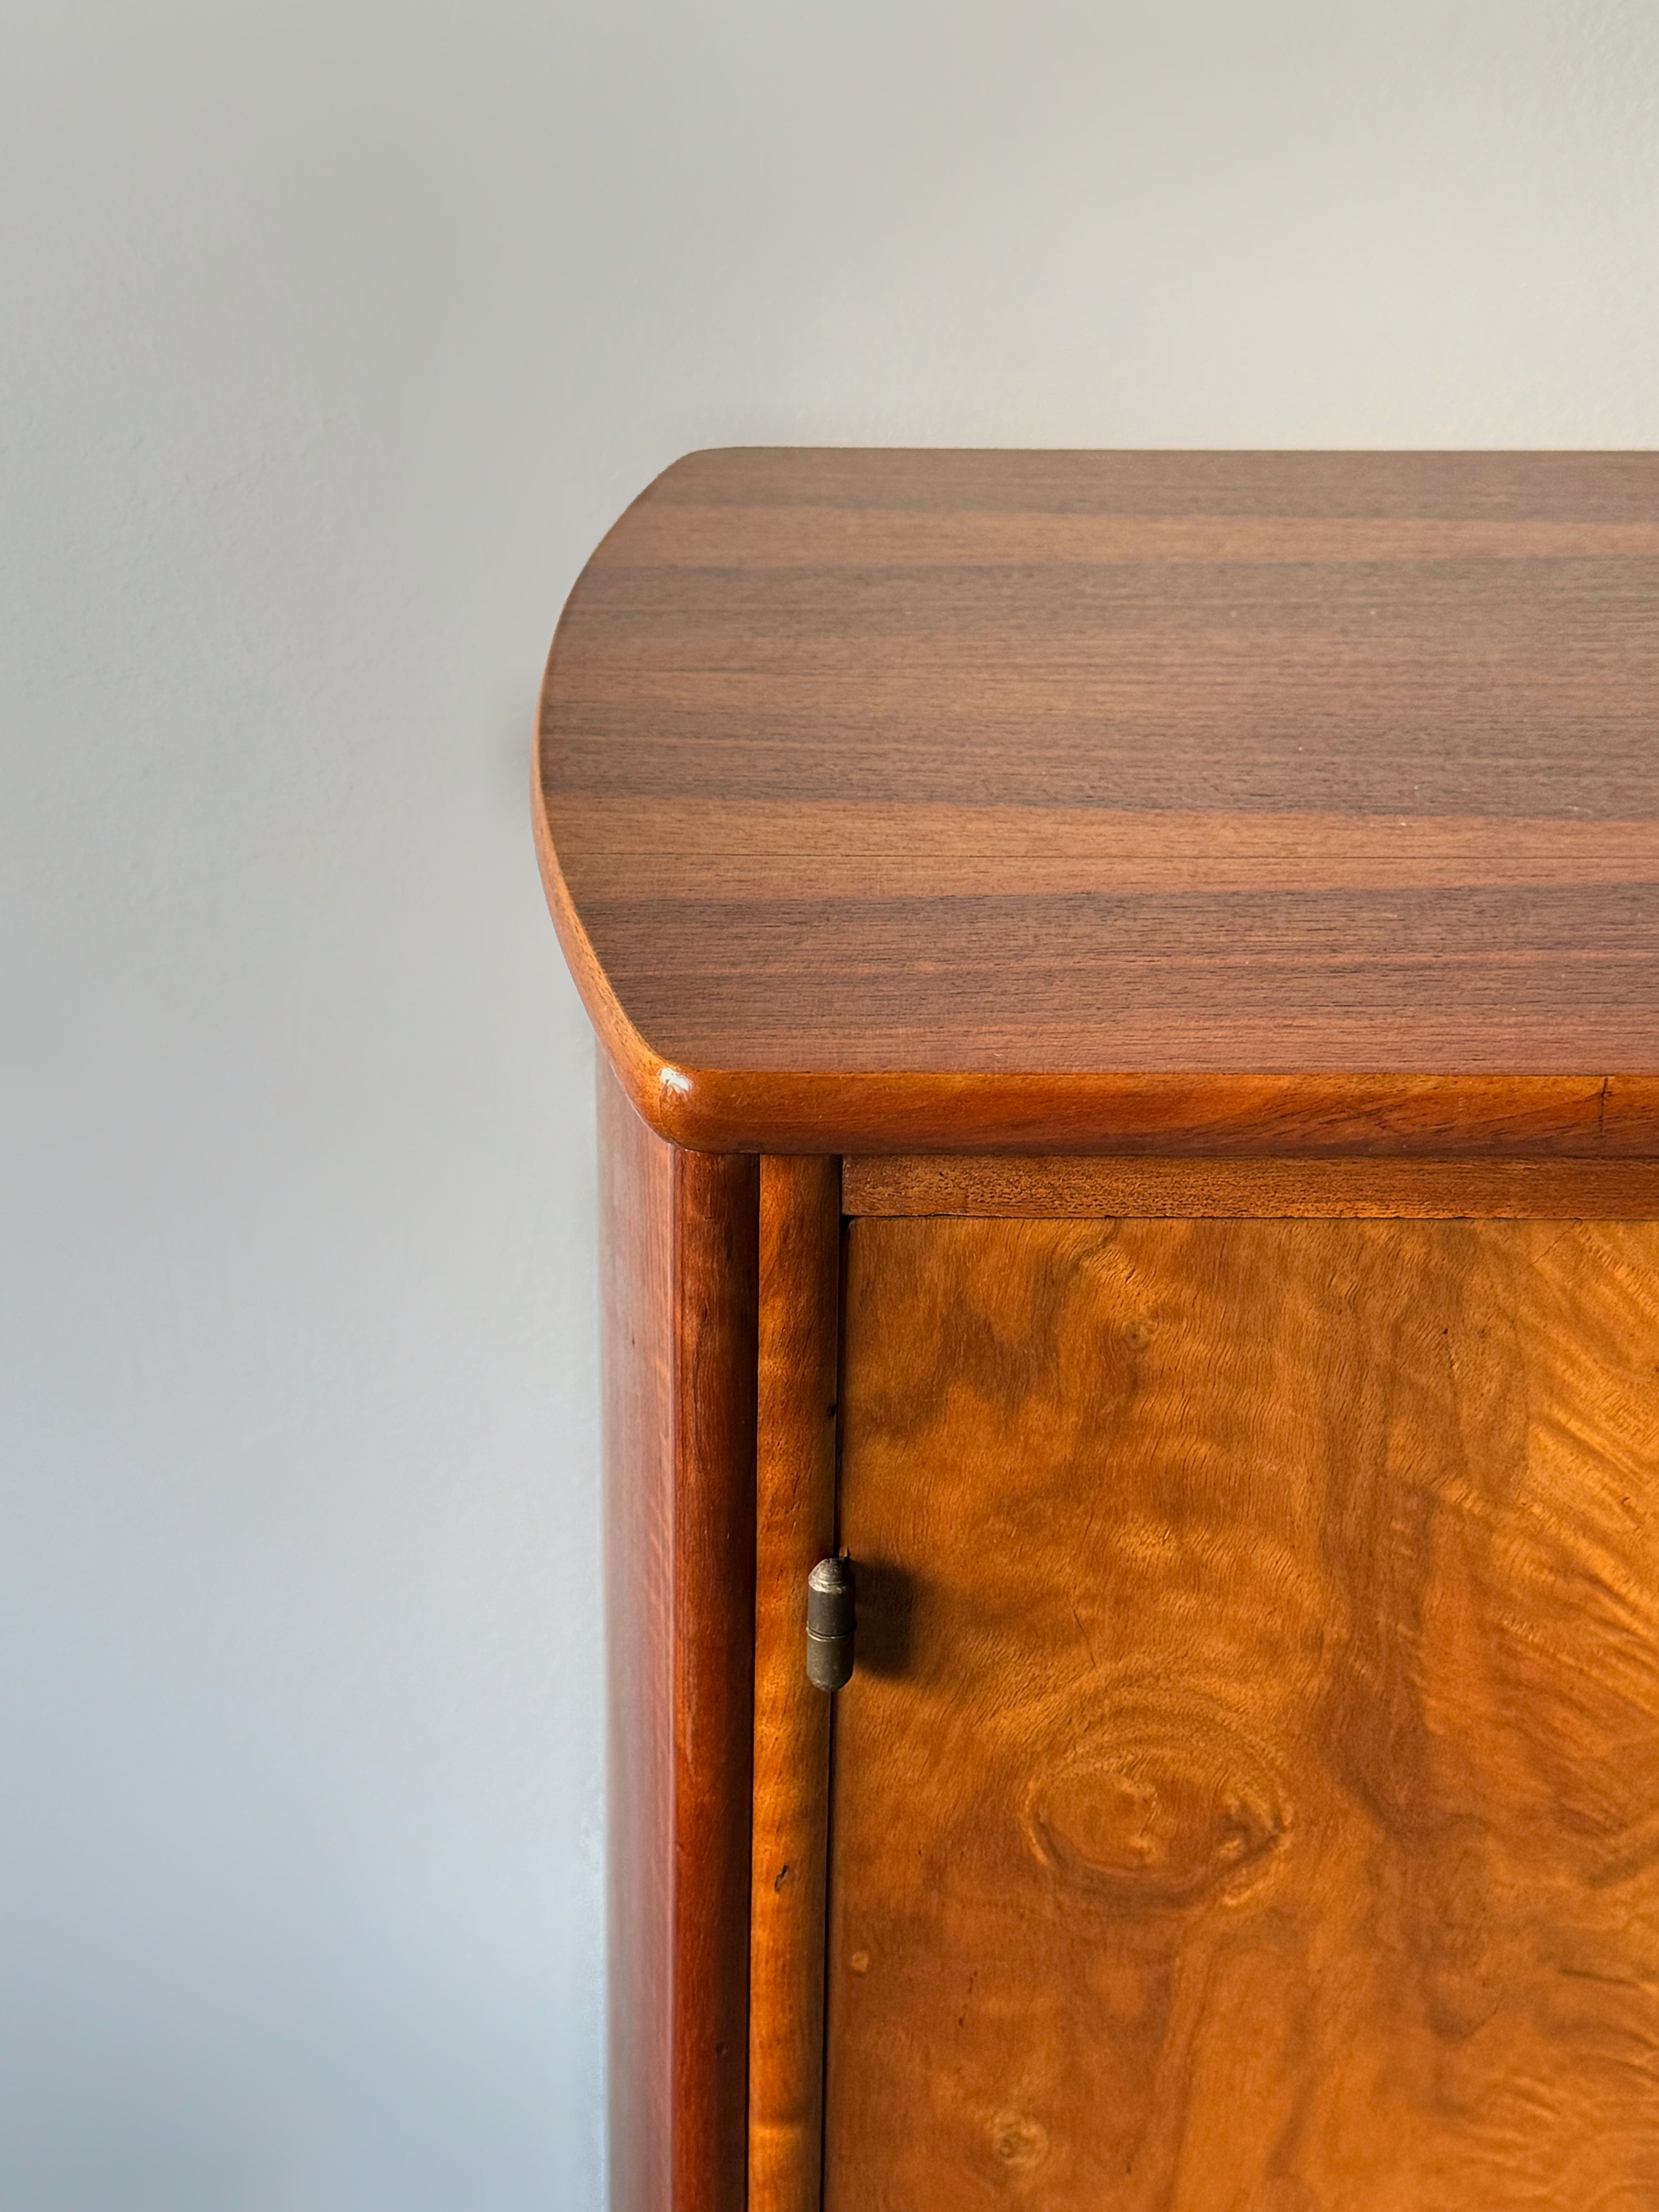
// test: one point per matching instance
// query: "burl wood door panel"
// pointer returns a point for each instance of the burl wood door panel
(1247, 1800)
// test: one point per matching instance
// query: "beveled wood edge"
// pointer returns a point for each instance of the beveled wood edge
(1290, 1188)
(800, 1343)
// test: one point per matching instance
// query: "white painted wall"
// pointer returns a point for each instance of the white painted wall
(334, 335)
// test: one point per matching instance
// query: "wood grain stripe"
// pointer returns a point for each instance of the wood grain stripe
(762, 850)
(686, 537)
(1258, 1189)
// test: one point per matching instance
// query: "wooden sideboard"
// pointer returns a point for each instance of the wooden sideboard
(1128, 989)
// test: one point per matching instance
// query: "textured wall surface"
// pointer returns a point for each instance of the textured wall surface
(334, 336)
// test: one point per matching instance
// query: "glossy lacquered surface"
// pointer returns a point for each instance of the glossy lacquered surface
(1196, 916)
(1246, 1798)
(935, 800)
(794, 1528)
(1284, 1188)
(679, 1258)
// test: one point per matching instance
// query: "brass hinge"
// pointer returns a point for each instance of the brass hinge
(830, 1624)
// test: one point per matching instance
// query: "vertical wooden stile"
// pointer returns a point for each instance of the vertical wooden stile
(795, 1507)
(679, 1244)
(716, 1204)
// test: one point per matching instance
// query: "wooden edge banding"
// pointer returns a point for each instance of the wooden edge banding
(795, 1478)
(716, 1206)
(1247, 1189)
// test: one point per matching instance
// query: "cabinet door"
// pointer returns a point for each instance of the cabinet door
(1249, 1794)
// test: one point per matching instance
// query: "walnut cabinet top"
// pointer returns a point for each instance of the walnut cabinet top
(1198, 803)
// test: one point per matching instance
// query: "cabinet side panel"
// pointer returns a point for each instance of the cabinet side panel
(679, 1240)
(716, 1231)
(795, 1526)
(636, 1352)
